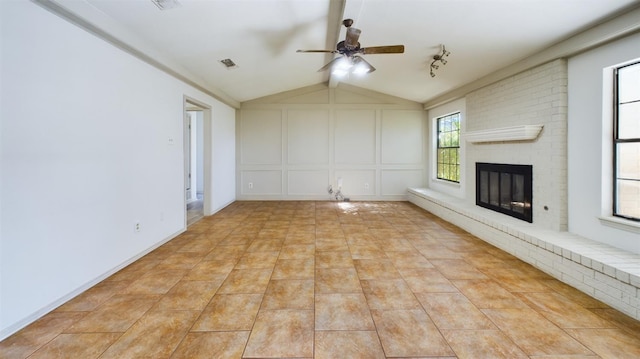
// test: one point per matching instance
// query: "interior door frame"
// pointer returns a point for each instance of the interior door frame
(207, 200)
(188, 138)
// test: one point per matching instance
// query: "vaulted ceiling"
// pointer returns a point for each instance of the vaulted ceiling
(262, 36)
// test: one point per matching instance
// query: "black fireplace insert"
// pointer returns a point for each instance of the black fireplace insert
(505, 188)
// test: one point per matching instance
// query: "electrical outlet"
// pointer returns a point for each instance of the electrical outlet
(366, 186)
(250, 185)
(137, 227)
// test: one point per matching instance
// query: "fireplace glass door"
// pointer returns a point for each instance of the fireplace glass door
(505, 189)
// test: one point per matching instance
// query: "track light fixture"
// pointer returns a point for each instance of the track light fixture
(439, 58)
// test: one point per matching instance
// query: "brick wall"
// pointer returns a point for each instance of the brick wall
(536, 96)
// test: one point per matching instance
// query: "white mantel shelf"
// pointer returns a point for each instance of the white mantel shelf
(515, 133)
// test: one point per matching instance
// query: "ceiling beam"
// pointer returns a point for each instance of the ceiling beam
(336, 13)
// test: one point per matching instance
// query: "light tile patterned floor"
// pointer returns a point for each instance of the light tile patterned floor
(328, 280)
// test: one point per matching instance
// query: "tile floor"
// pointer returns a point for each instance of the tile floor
(328, 280)
(195, 210)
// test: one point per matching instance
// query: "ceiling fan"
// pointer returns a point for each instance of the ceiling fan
(350, 49)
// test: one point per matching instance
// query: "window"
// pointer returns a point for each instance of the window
(626, 139)
(448, 161)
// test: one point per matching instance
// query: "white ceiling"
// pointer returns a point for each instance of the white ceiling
(262, 36)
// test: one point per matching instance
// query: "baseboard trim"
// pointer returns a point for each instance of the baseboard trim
(12, 329)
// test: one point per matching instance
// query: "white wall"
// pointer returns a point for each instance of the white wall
(2, 30)
(294, 145)
(223, 169)
(589, 150)
(86, 153)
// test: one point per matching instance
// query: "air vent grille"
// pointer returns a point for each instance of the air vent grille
(229, 63)
(166, 4)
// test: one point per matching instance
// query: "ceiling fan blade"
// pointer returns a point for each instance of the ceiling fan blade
(327, 51)
(351, 41)
(331, 63)
(392, 49)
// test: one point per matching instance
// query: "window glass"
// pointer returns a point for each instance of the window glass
(448, 151)
(627, 143)
(628, 124)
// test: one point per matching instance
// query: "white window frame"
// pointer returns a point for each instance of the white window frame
(440, 146)
(617, 141)
(447, 187)
(608, 102)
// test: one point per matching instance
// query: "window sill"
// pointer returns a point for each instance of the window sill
(446, 183)
(620, 223)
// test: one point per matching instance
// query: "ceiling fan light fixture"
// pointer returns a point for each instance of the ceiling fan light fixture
(340, 72)
(342, 67)
(361, 67)
(351, 65)
(360, 70)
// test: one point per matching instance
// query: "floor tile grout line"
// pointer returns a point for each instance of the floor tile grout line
(343, 223)
(261, 300)
(429, 316)
(203, 308)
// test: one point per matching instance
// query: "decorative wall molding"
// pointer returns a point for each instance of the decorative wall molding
(372, 144)
(504, 134)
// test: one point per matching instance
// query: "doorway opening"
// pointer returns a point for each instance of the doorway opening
(197, 119)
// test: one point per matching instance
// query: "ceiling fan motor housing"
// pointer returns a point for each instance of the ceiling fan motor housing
(351, 41)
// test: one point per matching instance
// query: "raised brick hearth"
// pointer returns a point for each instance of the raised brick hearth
(606, 273)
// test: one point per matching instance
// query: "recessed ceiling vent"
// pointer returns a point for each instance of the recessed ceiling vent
(166, 4)
(229, 63)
